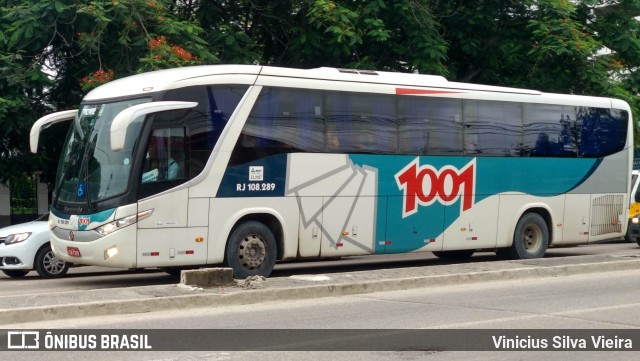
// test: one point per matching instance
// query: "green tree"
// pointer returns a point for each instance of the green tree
(53, 52)
(588, 47)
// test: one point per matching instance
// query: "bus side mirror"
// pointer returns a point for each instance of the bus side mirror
(124, 118)
(44, 123)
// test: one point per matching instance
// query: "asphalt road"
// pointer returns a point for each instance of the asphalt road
(590, 302)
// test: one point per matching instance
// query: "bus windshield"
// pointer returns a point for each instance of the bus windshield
(89, 171)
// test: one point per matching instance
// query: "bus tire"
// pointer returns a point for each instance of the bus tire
(458, 254)
(531, 237)
(48, 265)
(638, 241)
(251, 250)
(15, 273)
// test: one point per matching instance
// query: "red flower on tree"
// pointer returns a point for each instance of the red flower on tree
(96, 79)
(162, 54)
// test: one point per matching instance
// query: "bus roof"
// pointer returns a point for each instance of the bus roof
(160, 80)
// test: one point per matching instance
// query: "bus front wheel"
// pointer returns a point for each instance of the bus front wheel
(251, 250)
(531, 237)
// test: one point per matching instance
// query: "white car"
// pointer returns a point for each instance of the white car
(25, 247)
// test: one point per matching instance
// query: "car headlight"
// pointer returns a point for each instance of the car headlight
(110, 227)
(635, 220)
(16, 238)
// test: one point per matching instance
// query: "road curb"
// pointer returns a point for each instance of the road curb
(238, 296)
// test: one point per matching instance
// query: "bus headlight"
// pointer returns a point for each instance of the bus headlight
(634, 220)
(110, 227)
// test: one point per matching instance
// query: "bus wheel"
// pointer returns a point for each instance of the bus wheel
(461, 254)
(48, 265)
(15, 273)
(531, 237)
(251, 250)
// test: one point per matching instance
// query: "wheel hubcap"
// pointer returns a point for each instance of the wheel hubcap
(532, 238)
(52, 264)
(252, 251)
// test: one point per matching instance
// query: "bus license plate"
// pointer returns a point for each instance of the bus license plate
(73, 251)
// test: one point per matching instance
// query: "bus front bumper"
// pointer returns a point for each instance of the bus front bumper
(116, 250)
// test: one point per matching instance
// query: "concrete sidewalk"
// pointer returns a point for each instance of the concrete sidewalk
(132, 300)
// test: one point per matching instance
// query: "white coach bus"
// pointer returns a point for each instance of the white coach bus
(246, 165)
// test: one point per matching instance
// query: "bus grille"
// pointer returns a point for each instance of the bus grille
(605, 215)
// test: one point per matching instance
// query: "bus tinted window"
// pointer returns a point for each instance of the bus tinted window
(205, 122)
(302, 120)
(430, 126)
(565, 131)
(492, 128)
(549, 130)
(298, 120)
(601, 131)
(361, 123)
(287, 117)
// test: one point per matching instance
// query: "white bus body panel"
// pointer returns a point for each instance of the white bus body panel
(226, 212)
(576, 219)
(475, 228)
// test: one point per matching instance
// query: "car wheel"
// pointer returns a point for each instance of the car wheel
(48, 265)
(15, 273)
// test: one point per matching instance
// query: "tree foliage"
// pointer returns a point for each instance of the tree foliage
(53, 52)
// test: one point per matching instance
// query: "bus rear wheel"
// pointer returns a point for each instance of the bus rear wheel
(251, 250)
(531, 237)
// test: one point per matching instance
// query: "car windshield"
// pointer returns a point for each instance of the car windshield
(89, 171)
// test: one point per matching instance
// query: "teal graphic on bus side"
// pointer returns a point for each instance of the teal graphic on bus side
(443, 184)
(264, 177)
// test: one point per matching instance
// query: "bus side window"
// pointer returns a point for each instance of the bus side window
(361, 123)
(165, 156)
(283, 120)
(413, 126)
